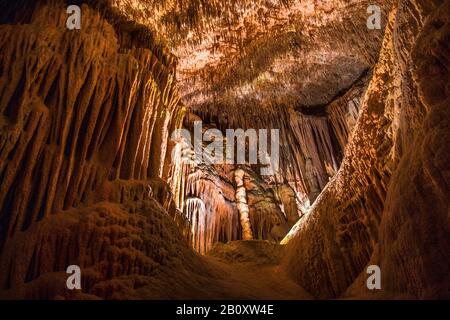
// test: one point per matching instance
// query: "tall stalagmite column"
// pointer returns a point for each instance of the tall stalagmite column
(241, 203)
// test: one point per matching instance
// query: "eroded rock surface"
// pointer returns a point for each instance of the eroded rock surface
(388, 204)
(90, 175)
(84, 130)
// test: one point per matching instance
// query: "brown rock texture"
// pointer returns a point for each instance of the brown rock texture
(388, 204)
(85, 117)
(91, 175)
(271, 65)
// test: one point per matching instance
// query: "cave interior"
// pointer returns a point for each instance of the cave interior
(94, 172)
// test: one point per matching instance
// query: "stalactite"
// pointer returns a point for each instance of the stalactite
(213, 184)
(205, 199)
(343, 113)
(195, 212)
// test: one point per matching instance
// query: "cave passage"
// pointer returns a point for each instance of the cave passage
(252, 149)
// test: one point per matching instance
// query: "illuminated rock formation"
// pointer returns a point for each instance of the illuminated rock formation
(242, 206)
(91, 176)
(388, 203)
(85, 122)
(271, 59)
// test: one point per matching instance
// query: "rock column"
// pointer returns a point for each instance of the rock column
(241, 203)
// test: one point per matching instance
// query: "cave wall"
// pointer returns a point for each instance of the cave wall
(415, 232)
(388, 204)
(86, 171)
(85, 120)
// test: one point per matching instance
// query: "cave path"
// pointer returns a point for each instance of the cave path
(247, 269)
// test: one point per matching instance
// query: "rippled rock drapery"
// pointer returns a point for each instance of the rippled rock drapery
(85, 118)
(388, 203)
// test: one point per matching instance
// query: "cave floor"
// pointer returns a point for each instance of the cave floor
(237, 270)
(254, 281)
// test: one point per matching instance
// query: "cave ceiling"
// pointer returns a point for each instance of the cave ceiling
(237, 54)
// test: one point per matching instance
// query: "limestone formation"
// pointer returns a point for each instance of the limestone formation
(91, 175)
(385, 200)
(242, 206)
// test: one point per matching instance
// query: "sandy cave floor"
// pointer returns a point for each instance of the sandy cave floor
(237, 270)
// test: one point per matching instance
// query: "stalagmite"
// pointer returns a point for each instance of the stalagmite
(241, 202)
